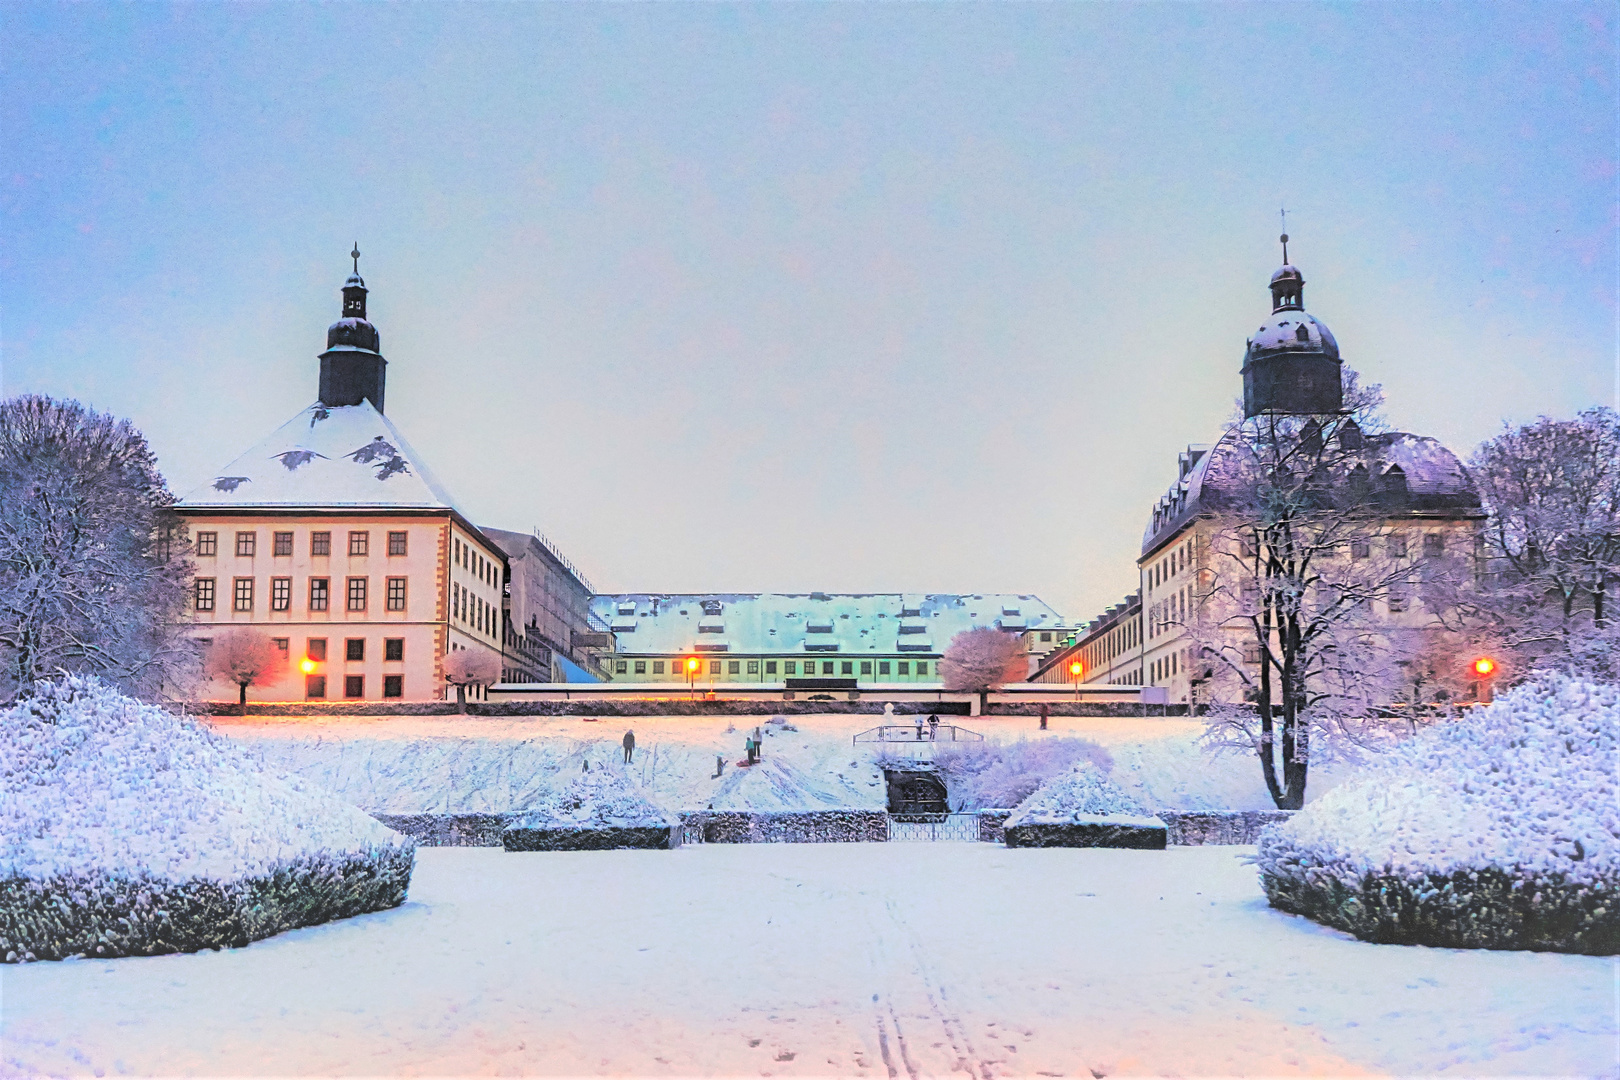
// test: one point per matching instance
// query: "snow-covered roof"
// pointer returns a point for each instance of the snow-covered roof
(1292, 330)
(348, 456)
(818, 622)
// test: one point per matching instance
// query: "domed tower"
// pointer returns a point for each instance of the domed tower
(352, 367)
(1292, 363)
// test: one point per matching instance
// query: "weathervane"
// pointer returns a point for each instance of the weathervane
(355, 255)
(1284, 238)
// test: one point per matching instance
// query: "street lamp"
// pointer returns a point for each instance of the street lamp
(1076, 669)
(1484, 669)
(692, 663)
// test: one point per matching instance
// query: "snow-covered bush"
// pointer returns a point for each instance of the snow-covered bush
(1498, 831)
(599, 808)
(989, 775)
(1082, 792)
(126, 830)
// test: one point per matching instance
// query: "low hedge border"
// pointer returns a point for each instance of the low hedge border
(521, 837)
(788, 826)
(1487, 908)
(107, 915)
(800, 707)
(1137, 833)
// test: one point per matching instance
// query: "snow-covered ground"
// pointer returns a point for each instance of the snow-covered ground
(478, 764)
(873, 960)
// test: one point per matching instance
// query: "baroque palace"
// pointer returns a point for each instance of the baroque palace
(1427, 506)
(332, 537)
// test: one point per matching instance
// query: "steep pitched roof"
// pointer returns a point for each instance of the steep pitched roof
(348, 456)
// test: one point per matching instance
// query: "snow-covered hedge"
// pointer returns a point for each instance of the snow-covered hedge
(126, 830)
(1498, 831)
(1083, 808)
(600, 808)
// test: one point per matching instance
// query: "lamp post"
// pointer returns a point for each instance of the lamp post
(1076, 669)
(691, 676)
(1484, 670)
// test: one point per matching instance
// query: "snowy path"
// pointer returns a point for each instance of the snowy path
(882, 960)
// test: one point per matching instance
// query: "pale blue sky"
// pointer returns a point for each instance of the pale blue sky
(791, 297)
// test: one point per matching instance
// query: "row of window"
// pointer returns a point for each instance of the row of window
(484, 569)
(353, 648)
(1171, 565)
(281, 543)
(789, 667)
(470, 608)
(354, 686)
(320, 591)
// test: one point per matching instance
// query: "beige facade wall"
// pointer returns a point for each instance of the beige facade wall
(268, 571)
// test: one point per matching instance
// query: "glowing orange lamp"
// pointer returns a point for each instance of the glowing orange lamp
(1484, 667)
(692, 665)
(307, 666)
(1076, 668)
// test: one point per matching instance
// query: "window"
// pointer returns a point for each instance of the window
(734, 667)
(281, 543)
(883, 667)
(1046, 635)
(315, 687)
(620, 667)
(354, 686)
(826, 667)
(1399, 597)
(394, 648)
(354, 648)
(205, 594)
(396, 594)
(357, 594)
(770, 667)
(393, 686)
(641, 667)
(319, 588)
(359, 543)
(903, 667)
(866, 667)
(316, 648)
(320, 543)
(1360, 549)
(243, 598)
(922, 667)
(658, 667)
(280, 593)
(848, 668)
(281, 645)
(1434, 545)
(790, 667)
(714, 667)
(753, 667)
(1397, 545)
(396, 543)
(208, 543)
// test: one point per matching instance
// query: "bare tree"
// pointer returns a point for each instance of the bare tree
(94, 566)
(981, 658)
(1291, 632)
(246, 657)
(469, 667)
(1552, 544)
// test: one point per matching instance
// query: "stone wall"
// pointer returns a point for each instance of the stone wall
(786, 827)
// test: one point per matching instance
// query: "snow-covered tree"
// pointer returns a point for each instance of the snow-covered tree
(1298, 625)
(94, 566)
(469, 667)
(1552, 543)
(981, 658)
(246, 657)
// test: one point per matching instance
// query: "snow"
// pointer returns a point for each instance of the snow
(92, 782)
(348, 456)
(818, 959)
(604, 797)
(1081, 794)
(1527, 785)
(411, 765)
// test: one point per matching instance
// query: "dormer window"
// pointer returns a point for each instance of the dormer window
(711, 607)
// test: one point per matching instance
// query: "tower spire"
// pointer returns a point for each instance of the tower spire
(355, 255)
(1283, 212)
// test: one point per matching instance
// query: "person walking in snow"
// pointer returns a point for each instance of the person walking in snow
(748, 748)
(759, 746)
(933, 728)
(629, 746)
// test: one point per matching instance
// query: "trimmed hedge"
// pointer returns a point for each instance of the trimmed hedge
(1473, 909)
(519, 837)
(1106, 831)
(102, 915)
(789, 826)
(450, 830)
(1194, 828)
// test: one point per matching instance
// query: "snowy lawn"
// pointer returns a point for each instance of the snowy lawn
(808, 959)
(406, 765)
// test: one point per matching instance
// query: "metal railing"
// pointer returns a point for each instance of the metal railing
(917, 733)
(567, 564)
(953, 828)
